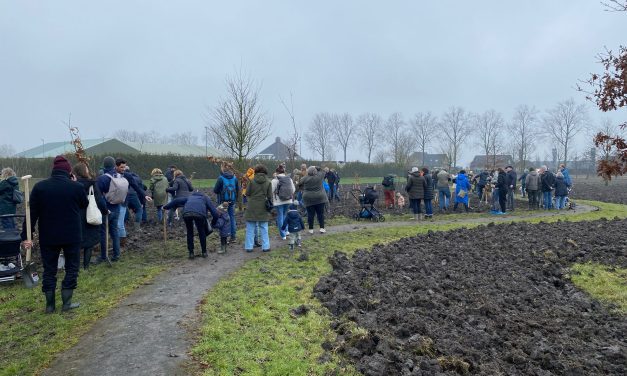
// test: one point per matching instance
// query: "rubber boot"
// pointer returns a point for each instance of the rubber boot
(66, 296)
(50, 304)
(87, 258)
(191, 255)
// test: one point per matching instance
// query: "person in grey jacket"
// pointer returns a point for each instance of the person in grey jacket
(415, 188)
(181, 187)
(314, 197)
(444, 192)
(532, 184)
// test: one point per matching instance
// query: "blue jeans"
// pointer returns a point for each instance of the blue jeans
(231, 212)
(160, 213)
(113, 232)
(444, 195)
(560, 201)
(548, 200)
(250, 235)
(136, 206)
(120, 222)
(428, 208)
(281, 210)
(480, 189)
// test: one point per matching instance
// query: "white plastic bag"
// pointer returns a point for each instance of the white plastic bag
(94, 217)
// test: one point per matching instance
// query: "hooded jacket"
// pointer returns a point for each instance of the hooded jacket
(429, 186)
(223, 223)
(7, 186)
(259, 190)
(532, 181)
(197, 203)
(416, 186)
(181, 187)
(462, 183)
(313, 191)
(158, 186)
(561, 188)
(293, 221)
(443, 179)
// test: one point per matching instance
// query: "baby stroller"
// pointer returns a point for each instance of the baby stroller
(10, 257)
(366, 200)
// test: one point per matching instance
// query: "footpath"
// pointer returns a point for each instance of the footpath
(151, 330)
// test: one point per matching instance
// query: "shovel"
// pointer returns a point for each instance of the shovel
(29, 273)
(107, 241)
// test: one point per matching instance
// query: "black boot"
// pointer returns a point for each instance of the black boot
(204, 254)
(50, 306)
(191, 255)
(87, 258)
(66, 296)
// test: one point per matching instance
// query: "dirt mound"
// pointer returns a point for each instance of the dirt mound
(492, 300)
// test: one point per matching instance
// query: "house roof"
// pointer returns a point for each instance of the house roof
(479, 161)
(431, 160)
(278, 150)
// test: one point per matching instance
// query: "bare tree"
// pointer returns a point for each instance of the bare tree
(370, 128)
(401, 141)
(381, 157)
(489, 128)
(183, 138)
(344, 131)
(562, 123)
(294, 139)
(320, 134)
(454, 130)
(523, 130)
(6, 150)
(615, 5)
(238, 123)
(606, 127)
(424, 127)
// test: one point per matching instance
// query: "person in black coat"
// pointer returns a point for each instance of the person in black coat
(428, 197)
(56, 204)
(501, 184)
(91, 233)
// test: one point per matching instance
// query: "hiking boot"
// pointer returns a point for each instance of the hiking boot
(205, 255)
(191, 255)
(50, 304)
(66, 296)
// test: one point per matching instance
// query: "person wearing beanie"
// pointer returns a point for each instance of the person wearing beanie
(104, 184)
(56, 204)
(223, 224)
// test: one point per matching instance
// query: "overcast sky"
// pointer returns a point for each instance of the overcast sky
(157, 65)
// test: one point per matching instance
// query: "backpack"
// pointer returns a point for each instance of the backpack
(388, 181)
(228, 189)
(284, 188)
(118, 189)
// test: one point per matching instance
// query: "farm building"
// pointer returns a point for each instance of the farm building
(277, 151)
(103, 146)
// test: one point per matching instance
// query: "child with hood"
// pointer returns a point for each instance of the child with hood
(223, 224)
(293, 223)
(462, 187)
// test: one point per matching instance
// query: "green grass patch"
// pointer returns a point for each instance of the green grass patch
(605, 283)
(30, 339)
(248, 328)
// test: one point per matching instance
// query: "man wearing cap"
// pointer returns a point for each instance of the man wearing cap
(511, 178)
(56, 204)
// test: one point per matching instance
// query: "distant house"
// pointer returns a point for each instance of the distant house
(479, 162)
(277, 151)
(431, 160)
(113, 146)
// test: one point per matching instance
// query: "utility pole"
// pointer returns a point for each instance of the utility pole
(206, 141)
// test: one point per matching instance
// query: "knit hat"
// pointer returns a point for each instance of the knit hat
(108, 162)
(60, 163)
(414, 169)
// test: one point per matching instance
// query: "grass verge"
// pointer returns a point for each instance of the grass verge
(248, 327)
(605, 283)
(30, 339)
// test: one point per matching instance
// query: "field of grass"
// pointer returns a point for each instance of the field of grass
(248, 328)
(605, 283)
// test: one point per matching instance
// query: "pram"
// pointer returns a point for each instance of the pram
(366, 200)
(10, 257)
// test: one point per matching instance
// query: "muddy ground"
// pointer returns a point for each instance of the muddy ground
(595, 189)
(495, 300)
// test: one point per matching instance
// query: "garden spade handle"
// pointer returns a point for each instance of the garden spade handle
(27, 210)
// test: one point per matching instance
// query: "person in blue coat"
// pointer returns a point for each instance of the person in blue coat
(195, 208)
(293, 223)
(462, 187)
(223, 225)
(567, 180)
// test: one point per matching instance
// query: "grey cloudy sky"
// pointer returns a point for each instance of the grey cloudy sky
(148, 65)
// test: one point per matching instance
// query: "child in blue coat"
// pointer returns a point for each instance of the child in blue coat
(223, 224)
(293, 222)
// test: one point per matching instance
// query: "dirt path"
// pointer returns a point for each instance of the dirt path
(148, 333)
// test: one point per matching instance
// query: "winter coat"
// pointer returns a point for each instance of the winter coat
(523, 179)
(7, 206)
(158, 186)
(169, 174)
(428, 187)
(276, 201)
(103, 182)
(135, 187)
(443, 179)
(91, 233)
(223, 223)
(416, 186)
(198, 203)
(462, 183)
(293, 222)
(511, 178)
(313, 191)
(547, 181)
(532, 181)
(331, 177)
(181, 187)
(561, 188)
(501, 181)
(483, 178)
(219, 186)
(567, 180)
(56, 204)
(258, 192)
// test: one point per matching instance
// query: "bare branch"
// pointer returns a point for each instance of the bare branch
(562, 123)
(455, 127)
(424, 127)
(370, 128)
(344, 131)
(320, 134)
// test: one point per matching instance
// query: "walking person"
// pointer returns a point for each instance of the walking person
(293, 224)
(314, 197)
(114, 188)
(259, 193)
(462, 190)
(503, 188)
(428, 197)
(91, 233)
(195, 208)
(415, 188)
(511, 187)
(227, 190)
(444, 191)
(56, 204)
(158, 186)
(282, 197)
(532, 184)
(8, 204)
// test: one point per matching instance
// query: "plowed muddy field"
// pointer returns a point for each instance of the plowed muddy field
(495, 300)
